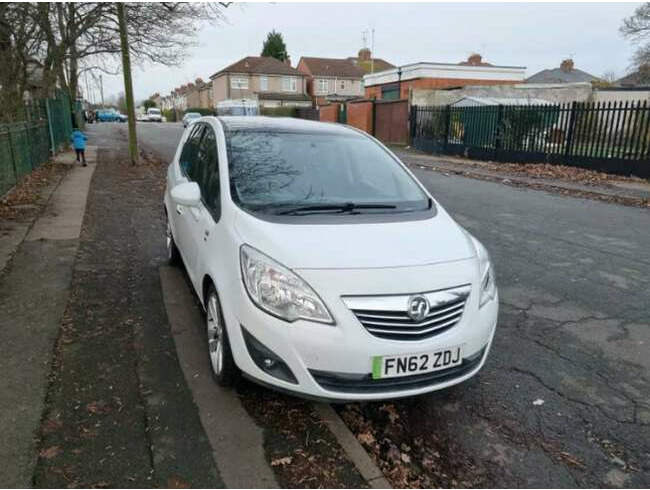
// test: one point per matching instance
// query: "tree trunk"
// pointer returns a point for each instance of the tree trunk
(128, 85)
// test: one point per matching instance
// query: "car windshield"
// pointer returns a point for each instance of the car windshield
(154, 111)
(308, 173)
(192, 115)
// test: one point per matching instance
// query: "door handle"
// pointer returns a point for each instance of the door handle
(206, 234)
(179, 210)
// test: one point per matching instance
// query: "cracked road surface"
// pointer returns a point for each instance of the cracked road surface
(564, 399)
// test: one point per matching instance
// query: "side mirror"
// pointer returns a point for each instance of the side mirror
(186, 194)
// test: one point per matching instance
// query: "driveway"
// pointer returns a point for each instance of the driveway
(564, 399)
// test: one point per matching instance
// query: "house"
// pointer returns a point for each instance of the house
(331, 79)
(205, 93)
(396, 83)
(270, 81)
(566, 73)
(368, 64)
(156, 99)
(638, 78)
(192, 95)
(199, 94)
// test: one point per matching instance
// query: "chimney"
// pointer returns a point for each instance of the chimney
(364, 54)
(287, 61)
(566, 65)
(475, 59)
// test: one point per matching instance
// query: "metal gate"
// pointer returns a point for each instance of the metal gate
(392, 121)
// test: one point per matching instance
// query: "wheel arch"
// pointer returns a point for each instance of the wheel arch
(206, 282)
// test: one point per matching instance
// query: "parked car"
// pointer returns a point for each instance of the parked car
(122, 117)
(324, 267)
(154, 114)
(107, 115)
(189, 118)
(142, 118)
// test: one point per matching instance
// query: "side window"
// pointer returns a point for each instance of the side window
(209, 182)
(188, 159)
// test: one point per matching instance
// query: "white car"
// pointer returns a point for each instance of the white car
(189, 118)
(154, 115)
(325, 268)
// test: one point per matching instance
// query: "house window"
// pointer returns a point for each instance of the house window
(322, 86)
(264, 83)
(289, 84)
(342, 84)
(239, 82)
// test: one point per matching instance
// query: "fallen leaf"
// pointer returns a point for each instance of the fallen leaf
(282, 461)
(176, 482)
(366, 438)
(50, 452)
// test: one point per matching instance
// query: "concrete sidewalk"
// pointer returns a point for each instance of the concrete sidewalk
(624, 189)
(33, 297)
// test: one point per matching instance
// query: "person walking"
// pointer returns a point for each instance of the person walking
(79, 144)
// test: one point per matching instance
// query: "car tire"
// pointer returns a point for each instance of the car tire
(173, 254)
(222, 364)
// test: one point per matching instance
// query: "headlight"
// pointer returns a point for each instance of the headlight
(487, 285)
(278, 291)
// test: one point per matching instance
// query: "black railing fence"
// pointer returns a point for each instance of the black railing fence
(611, 137)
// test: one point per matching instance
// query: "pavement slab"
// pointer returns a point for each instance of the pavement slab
(33, 297)
(118, 412)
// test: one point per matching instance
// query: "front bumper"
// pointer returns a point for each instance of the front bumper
(335, 362)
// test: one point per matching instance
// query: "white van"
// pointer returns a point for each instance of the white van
(237, 107)
(154, 114)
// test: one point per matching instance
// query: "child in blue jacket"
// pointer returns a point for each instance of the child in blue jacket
(79, 144)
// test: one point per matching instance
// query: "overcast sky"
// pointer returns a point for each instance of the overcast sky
(535, 35)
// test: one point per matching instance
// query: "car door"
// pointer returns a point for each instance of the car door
(185, 216)
(210, 208)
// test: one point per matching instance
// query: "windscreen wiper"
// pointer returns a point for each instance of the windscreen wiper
(348, 207)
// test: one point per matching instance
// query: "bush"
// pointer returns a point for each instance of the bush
(278, 111)
(169, 115)
(200, 110)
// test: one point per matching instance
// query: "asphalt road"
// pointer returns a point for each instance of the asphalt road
(564, 399)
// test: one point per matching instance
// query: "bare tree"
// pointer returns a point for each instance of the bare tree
(637, 29)
(64, 39)
(609, 76)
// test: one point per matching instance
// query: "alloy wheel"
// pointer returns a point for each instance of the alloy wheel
(169, 240)
(215, 334)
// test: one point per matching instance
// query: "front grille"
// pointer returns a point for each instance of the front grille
(352, 383)
(445, 311)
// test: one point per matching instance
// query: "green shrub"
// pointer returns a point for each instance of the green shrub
(200, 110)
(278, 111)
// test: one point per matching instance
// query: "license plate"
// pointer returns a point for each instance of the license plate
(410, 364)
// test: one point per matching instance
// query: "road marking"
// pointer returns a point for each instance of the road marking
(237, 442)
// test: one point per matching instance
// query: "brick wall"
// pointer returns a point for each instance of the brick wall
(360, 115)
(329, 113)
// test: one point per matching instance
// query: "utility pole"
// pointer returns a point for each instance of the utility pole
(128, 85)
(372, 51)
(101, 88)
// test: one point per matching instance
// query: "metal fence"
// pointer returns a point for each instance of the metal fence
(611, 137)
(24, 145)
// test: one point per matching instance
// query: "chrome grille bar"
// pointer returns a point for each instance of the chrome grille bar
(387, 317)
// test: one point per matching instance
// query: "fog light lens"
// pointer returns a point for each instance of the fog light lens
(267, 360)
